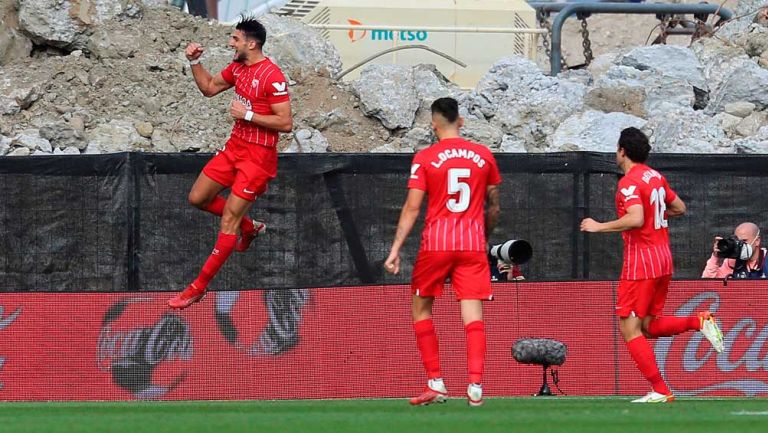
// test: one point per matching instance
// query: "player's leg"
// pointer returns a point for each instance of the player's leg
(252, 180)
(633, 304)
(472, 285)
(233, 212)
(427, 283)
(660, 326)
(218, 173)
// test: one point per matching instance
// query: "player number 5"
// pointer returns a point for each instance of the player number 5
(456, 186)
(659, 204)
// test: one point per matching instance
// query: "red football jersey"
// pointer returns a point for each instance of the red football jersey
(257, 86)
(646, 248)
(455, 174)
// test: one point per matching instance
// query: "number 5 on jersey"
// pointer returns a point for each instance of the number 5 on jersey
(456, 186)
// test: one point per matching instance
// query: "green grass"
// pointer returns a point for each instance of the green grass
(559, 414)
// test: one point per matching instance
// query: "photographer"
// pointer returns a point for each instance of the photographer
(738, 256)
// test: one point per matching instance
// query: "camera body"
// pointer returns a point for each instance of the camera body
(731, 247)
(515, 251)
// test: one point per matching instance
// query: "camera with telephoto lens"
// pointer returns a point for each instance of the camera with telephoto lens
(732, 247)
(515, 251)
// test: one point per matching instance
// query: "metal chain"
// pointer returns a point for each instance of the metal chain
(663, 26)
(541, 16)
(544, 23)
(586, 43)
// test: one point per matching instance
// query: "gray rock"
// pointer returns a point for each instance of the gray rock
(601, 64)
(512, 144)
(508, 80)
(534, 117)
(63, 23)
(751, 124)
(388, 93)
(15, 97)
(308, 141)
(293, 45)
(734, 27)
(418, 138)
(757, 44)
(323, 121)
(688, 131)
(115, 136)
(145, 129)
(746, 81)
(62, 134)
(8, 106)
(732, 75)
(19, 151)
(5, 145)
(430, 84)
(670, 60)
(13, 45)
(31, 139)
(739, 109)
(755, 144)
(391, 147)
(728, 122)
(113, 43)
(71, 150)
(639, 93)
(482, 132)
(161, 142)
(592, 131)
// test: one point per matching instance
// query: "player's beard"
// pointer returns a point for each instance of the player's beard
(238, 57)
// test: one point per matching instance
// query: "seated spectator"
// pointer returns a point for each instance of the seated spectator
(753, 267)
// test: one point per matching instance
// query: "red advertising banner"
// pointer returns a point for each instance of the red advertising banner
(358, 342)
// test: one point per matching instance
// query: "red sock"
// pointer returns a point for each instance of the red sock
(216, 207)
(475, 350)
(224, 245)
(667, 326)
(646, 362)
(426, 340)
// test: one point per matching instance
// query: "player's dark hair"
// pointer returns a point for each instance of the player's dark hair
(252, 29)
(635, 144)
(446, 107)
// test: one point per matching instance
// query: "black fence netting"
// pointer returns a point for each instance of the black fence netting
(122, 222)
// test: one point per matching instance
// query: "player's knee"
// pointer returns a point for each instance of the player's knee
(229, 222)
(197, 200)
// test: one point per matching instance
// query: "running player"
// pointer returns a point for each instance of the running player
(644, 200)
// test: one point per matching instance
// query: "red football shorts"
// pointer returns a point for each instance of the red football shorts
(468, 270)
(245, 167)
(642, 297)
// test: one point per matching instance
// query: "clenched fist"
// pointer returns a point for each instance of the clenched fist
(193, 51)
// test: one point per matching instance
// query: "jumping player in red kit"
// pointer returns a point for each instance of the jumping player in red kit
(644, 200)
(460, 178)
(261, 108)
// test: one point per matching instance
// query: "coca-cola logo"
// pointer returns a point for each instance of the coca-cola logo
(131, 352)
(740, 367)
(4, 323)
(281, 332)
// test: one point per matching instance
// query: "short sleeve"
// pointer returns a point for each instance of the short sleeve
(276, 88)
(671, 194)
(628, 193)
(228, 73)
(418, 179)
